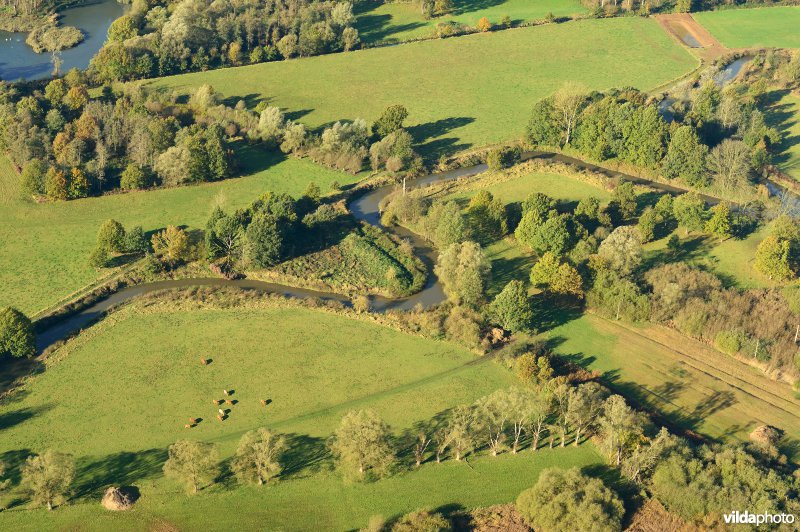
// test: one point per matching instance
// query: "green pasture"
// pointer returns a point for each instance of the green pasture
(124, 391)
(400, 21)
(461, 92)
(774, 27)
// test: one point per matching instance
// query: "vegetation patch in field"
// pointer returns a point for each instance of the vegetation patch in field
(367, 259)
(751, 28)
(448, 111)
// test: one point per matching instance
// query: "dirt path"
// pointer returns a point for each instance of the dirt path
(689, 33)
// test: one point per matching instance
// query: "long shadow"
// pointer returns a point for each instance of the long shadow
(305, 454)
(12, 369)
(118, 469)
(437, 128)
(253, 159)
(17, 417)
(781, 116)
(468, 6)
(250, 100)
(551, 312)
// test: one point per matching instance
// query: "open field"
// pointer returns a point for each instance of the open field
(398, 21)
(750, 28)
(122, 392)
(517, 188)
(784, 114)
(692, 385)
(461, 92)
(44, 247)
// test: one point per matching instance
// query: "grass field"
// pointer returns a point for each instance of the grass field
(44, 247)
(461, 92)
(749, 28)
(123, 392)
(694, 386)
(398, 21)
(785, 115)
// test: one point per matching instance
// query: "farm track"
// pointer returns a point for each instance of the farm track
(683, 27)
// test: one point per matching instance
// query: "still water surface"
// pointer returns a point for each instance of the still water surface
(17, 59)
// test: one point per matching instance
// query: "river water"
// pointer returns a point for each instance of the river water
(18, 60)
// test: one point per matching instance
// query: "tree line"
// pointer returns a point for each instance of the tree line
(177, 36)
(717, 140)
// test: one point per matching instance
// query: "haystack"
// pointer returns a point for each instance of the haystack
(116, 499)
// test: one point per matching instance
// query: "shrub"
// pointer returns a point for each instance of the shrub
(730, 342)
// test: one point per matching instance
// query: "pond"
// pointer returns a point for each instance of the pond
(18, 60)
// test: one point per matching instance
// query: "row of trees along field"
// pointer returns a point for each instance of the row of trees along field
(596, 251)
(555, 405)
(718, 139)
(168, 37)
(70, 144)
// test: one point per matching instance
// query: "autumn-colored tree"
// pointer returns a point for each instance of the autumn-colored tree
(55, 184)
(484, 25)
(171, 244)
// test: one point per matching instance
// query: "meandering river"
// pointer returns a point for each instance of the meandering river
(18, 60)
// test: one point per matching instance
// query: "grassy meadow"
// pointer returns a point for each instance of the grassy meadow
(731, 260)
(774, 27)
(461, 92)
(44, 247)
(118, 395)
(399, 21)
(691, 385)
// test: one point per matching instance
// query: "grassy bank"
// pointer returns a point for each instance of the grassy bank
(461, 92)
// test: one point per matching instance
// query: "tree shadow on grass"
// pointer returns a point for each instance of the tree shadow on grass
(15, 368)
(17, 417)
(118, 469)
(250, 100)
(469, 6)
(304, 455)
(253, 158)
(781, 117)
(550, 311)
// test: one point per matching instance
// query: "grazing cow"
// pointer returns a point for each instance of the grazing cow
(263, 402)
(203, 361)
(226, 392)
(219, 417)
(217, 402)
(229, 402)
(187, 426)
(221, 412)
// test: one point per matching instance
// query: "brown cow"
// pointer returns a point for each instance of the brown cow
(203, 361)
(219, 417)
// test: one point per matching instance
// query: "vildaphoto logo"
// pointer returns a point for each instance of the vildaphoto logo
(746, 518)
